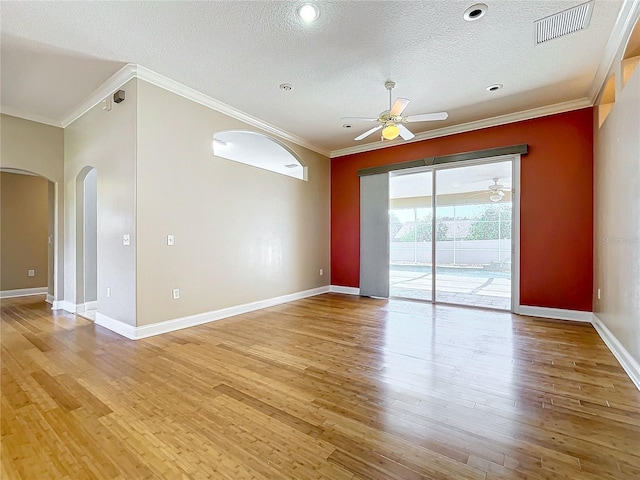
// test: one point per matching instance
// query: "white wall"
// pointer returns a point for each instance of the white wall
(243, 234)
(617, 218)
(105, 140)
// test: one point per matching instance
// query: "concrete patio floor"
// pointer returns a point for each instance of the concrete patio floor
(461, 286)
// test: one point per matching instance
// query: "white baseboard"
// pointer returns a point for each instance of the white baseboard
(66, 305)
(116, 326)
(136, 333)
(86, 306)
(91, 305)
(555, 313)
(345, 290)
(49, 299)
(628, 363)
(23, 292)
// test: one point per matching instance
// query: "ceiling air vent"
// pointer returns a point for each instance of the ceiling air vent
(563, 23)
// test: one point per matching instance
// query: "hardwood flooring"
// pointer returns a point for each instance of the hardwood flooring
(333, 387)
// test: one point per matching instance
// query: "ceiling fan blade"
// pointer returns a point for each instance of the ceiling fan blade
(368, 132)
(427, 117)
(405, 133)
(359, 119)
(398, 106)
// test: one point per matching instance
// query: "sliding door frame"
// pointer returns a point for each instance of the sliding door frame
(515, 217)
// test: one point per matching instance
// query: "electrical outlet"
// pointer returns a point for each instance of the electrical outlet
(321, 272)
(171, 240)
(31, 273)
(176, 293)
(126, 239)
(598, 294)
(108, 292)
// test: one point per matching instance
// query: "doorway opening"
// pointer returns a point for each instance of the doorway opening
(453, 233)
(87, 243)
(28, 247)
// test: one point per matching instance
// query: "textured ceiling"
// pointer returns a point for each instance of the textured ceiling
(55, 53)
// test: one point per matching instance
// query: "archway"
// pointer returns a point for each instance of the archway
(86, 242)
(29, 248)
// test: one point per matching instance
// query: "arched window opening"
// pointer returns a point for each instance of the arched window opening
(258, 150)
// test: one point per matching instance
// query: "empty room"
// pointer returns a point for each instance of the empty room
(320, 240)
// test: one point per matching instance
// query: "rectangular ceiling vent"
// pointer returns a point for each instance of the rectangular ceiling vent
(563, 23)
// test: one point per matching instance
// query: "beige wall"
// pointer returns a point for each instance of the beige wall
(105, 140)
(24, 231)
(617, 218)
(242, 234)
(38, 148)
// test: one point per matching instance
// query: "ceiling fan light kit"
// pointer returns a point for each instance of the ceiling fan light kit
(390, 132)
(392, 121)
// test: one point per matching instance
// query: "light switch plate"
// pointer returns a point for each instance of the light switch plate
(126, 239)
(171, 240)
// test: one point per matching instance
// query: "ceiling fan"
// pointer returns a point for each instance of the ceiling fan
(497, 190)
(392, 122)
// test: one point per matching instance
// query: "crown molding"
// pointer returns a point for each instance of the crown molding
(198, 97)
(112, 84)
(629, 13)
(131, 70)
(470, 126)
(16, 112)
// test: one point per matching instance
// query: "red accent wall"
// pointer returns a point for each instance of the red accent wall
(556, 224)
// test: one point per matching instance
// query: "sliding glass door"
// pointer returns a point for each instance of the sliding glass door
(469, 237)
(410, 234)
(473, 257)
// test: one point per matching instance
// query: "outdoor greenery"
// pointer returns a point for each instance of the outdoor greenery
(421, 231)
(493, 223)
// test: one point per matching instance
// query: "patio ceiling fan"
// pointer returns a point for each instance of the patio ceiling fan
(496, 190)
(392, 121)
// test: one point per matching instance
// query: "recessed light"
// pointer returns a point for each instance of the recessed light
(287, 87)
(474, 12)
(308, 12)
(346, 125)
(495, 87)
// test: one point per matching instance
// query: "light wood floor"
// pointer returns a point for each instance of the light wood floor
(333, 387)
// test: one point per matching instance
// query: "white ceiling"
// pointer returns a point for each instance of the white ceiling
(459, 180)
(55, 53)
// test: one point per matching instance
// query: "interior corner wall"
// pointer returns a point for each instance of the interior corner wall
(38, 148)
(617, 218)
(556, 203)
(24, 219)
(105, 140)
(242, 234)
